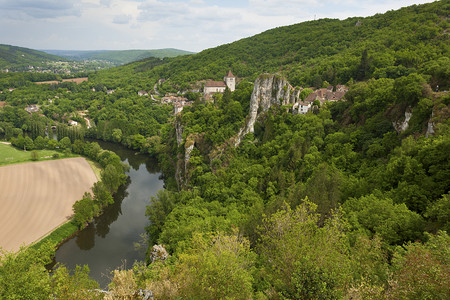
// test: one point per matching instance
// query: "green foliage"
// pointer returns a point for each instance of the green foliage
(197, 216)
(23, 276)
(34, 155)
(439, 212)
(408, 89)
(289, 237)
(112, 178)
(76, 286)
(102, 196)
(216, 267)
(310, 281)
(84, 210)
(65, 143)
(393, 222)
(422, 271)
(157, 211)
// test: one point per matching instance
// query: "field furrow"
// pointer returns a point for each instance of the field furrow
(35, 198)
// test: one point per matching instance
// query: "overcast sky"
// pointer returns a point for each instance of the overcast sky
(192, 25)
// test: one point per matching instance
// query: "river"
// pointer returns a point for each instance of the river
(109, 241)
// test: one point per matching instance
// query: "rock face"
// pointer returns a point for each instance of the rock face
(401, 126)
(268, 90)
(158, 253)
(179, 132)
(187, 155)
(144, 294)
(430, 127)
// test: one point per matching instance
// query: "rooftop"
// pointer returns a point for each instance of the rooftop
(215, 84)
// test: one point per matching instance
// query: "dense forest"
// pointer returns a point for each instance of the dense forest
(338, 203)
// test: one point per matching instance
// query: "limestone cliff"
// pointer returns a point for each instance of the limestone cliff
(268, 90)
(401, 126)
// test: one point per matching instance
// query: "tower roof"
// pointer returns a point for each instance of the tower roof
(230, 74)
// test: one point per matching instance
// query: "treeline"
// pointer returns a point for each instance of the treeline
(112, 177)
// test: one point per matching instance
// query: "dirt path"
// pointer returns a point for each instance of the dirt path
(35, 198)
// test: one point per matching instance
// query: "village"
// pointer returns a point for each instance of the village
(315, 96)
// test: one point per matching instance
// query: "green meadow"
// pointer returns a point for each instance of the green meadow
(10, 155)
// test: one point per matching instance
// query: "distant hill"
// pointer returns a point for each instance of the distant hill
(118, 57)
(16, 58)
(390, 45)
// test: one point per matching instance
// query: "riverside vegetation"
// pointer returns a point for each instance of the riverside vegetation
(336, 203)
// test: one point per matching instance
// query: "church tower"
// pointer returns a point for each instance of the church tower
(230, 81)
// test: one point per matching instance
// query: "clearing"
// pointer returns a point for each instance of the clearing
(36, 198)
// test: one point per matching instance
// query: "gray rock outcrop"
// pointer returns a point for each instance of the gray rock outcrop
(268, 90)
(430, 126)
(158, 253)
(144, 294)
(401, 126)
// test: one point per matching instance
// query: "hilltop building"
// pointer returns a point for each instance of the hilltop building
(212, 87)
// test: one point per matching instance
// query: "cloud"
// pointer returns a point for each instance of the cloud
(122, 19)
(292, 8)
(40, 9)
(150, 24)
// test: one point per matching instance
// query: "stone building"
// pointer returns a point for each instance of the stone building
(212, 87)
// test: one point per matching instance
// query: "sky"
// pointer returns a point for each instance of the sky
(192, 25)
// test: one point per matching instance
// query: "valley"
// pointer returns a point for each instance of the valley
(309, 161)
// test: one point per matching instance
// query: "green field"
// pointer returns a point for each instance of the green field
(10, 155)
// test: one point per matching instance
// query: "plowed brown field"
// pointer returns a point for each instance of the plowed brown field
(35, 198)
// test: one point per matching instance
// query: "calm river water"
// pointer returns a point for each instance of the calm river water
(108, 242)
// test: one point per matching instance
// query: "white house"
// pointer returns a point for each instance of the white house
(304, 107)
(212, 87)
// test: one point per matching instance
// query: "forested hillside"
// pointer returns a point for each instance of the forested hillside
(390, 45)
(19, 59)
(348, 201)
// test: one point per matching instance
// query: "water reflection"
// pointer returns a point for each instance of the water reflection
(112, 212)
(109, 240)
(85, 240)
